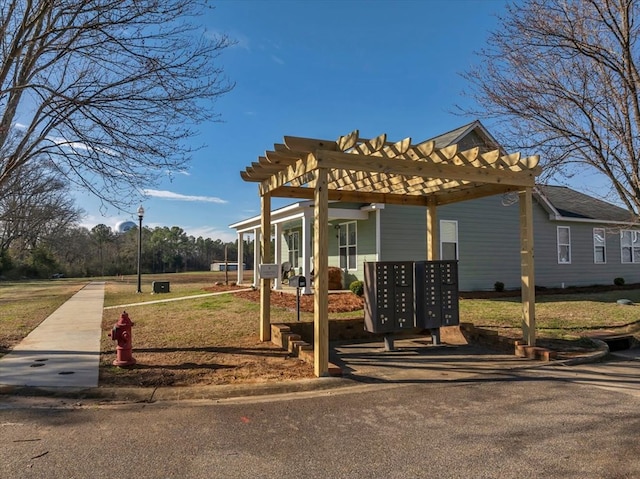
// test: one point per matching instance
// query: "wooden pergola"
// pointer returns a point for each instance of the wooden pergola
(354, 169)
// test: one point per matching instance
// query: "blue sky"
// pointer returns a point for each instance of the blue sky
(316, 69)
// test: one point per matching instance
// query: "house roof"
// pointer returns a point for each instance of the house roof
(454, 136)
(565, 203)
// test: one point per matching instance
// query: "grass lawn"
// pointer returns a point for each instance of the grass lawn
(214, 339)
(561, 316)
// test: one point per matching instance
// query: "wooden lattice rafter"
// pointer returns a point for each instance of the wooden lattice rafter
(377, 170)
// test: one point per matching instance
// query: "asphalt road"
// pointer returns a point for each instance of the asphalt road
(540, 423)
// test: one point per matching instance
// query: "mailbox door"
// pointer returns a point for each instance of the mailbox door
(388, 294)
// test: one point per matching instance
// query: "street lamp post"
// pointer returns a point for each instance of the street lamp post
(140, 215)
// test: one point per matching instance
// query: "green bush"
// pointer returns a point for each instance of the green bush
(618, 281)
(357, 287)
(498, 286)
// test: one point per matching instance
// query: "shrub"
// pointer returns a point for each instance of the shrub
(618, 281)
(357, 287)
(498, 286)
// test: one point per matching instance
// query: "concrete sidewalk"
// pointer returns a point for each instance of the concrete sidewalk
(64, 350)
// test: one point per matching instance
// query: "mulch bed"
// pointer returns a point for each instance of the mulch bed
(339, 302)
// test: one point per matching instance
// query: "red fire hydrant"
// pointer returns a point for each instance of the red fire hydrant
(121, 332)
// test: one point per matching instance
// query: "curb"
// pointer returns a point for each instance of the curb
(149, 395)
(601, 352)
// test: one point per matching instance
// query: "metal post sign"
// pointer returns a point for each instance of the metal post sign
(268, 271)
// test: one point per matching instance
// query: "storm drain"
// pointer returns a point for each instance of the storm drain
(619, 343)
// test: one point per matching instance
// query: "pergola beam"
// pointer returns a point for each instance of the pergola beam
(350, 196)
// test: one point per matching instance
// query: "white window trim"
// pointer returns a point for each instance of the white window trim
(634, 259)
(457, 243)
(290, 242)
(354, 224)
(604, 246)
(558, 244)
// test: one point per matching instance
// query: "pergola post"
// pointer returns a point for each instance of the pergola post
(433, 252)
(265, 283)
(321, 275)
(527, 267)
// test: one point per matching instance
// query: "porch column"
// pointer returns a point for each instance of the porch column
(527, 267)
(433, 251)
(321, 272)
(278, 255)
(256, 257)
(265, 286)
(240, 258)
(306, 249)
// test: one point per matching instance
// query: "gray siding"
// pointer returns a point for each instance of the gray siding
(489, 245)
(488, 242)
(403, 233)
(582, 271)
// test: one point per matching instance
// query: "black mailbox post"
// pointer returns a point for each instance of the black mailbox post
(298, 282)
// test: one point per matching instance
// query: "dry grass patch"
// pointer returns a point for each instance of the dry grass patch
(25, 304)
(200, 341)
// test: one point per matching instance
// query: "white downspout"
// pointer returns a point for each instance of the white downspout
(378, 232)
(277, 284)
(240, 258)
(256, 257)
(306, 249)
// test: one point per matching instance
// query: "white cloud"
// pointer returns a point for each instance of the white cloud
(177, 172)
(226, 236)
(89, 221)
(277, 59)
(170, 195)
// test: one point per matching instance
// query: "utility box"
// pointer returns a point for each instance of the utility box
(388, 296)
(160, 286)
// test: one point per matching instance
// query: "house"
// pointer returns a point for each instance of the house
(578, 239)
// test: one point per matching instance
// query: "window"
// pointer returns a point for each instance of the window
(564, 245)
(630, 246)
(448, 239)
(599, 246)
(347, 239)
(293, 242)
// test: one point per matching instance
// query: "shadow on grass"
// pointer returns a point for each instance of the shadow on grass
(215, 349)
(181, 367)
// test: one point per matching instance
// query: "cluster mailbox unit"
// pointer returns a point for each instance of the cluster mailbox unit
(406, 295)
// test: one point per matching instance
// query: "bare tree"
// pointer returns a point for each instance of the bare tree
(34, 204)
(106, 90)
(563, 76)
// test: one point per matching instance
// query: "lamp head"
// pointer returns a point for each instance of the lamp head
(140, 211)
